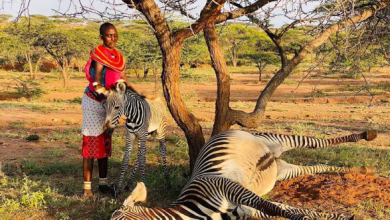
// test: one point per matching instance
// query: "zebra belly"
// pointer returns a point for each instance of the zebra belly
(263, 181)
(152, 127)
(243, 158)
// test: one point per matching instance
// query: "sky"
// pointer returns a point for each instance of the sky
(49, 7)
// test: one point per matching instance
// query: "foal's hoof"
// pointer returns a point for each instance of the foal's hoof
(370, 135)
(357, 217)
(114, 191)
(369, 170)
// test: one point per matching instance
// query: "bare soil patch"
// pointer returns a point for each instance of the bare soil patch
(347, 190)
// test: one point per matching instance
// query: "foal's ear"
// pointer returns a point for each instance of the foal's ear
(139, 194)
(120, 86)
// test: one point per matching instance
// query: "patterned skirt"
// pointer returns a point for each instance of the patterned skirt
(96, 147)
(96, 144)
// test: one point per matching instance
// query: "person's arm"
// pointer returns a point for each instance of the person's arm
(98, 67)
(124, 77)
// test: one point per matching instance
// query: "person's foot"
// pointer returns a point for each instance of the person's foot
(104, 189)
(87, 194)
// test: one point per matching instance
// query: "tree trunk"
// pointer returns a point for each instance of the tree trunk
(222, 120)
(64, 76)
(64, 71)
(136, 72)
(28, 58)
(260, 71)
(37, 66)
(261, 68)
(155, 69)
(234, 61)
(146, 70)
(80, 67)
(183, 117)
(234, 57)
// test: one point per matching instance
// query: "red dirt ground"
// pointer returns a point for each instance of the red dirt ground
(325, 190)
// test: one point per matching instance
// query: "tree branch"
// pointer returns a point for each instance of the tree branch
(253, 119)
(207, 15)
(242, 11)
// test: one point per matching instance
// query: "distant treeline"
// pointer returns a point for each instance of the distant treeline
(41, 43)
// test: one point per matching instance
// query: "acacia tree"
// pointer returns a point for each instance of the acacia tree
(233, 38)
(28, 32)
(22, 39)
(262, 53)
(65, 46)
(331, 17)
(262, 59)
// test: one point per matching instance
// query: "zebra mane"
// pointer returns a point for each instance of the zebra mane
(131, 89)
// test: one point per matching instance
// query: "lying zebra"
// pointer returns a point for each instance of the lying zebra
(232, 171)
(143, 117)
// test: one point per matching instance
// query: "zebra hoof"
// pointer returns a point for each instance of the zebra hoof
(114, 191)
(357, 217)
(369, 170)
(370, 135)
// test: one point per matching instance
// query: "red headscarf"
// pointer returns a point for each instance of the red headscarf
(111, 58)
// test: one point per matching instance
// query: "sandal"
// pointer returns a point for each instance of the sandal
(87, 194)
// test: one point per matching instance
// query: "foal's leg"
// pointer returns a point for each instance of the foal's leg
(141, 159)
(161, 139)
(125, 164)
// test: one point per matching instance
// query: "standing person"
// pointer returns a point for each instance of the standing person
(105, 67)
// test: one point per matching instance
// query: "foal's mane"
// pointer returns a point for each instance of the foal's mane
(129, 87)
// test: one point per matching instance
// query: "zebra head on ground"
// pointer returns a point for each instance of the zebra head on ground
(114, 104)
(128, 210)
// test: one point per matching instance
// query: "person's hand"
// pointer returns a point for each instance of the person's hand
(109, 131)
(100, 91)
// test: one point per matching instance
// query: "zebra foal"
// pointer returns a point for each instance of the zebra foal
(143, 116)
(232, 171)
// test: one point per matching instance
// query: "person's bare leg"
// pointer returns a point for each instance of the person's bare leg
(103, 169)
(87, 170)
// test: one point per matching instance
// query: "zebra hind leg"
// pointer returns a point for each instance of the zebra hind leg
(236, 194)
(163, 152)
(239, 195)
(306, 212)
(278, 143)
(288, 171)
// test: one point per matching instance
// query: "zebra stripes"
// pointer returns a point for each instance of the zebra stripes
(289, 171)
(232, 171)
(143, 116)
(224, 193)
(279, 143)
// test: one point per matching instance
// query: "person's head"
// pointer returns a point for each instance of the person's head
(108, 35)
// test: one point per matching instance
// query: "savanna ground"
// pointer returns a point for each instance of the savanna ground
(43, 179)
